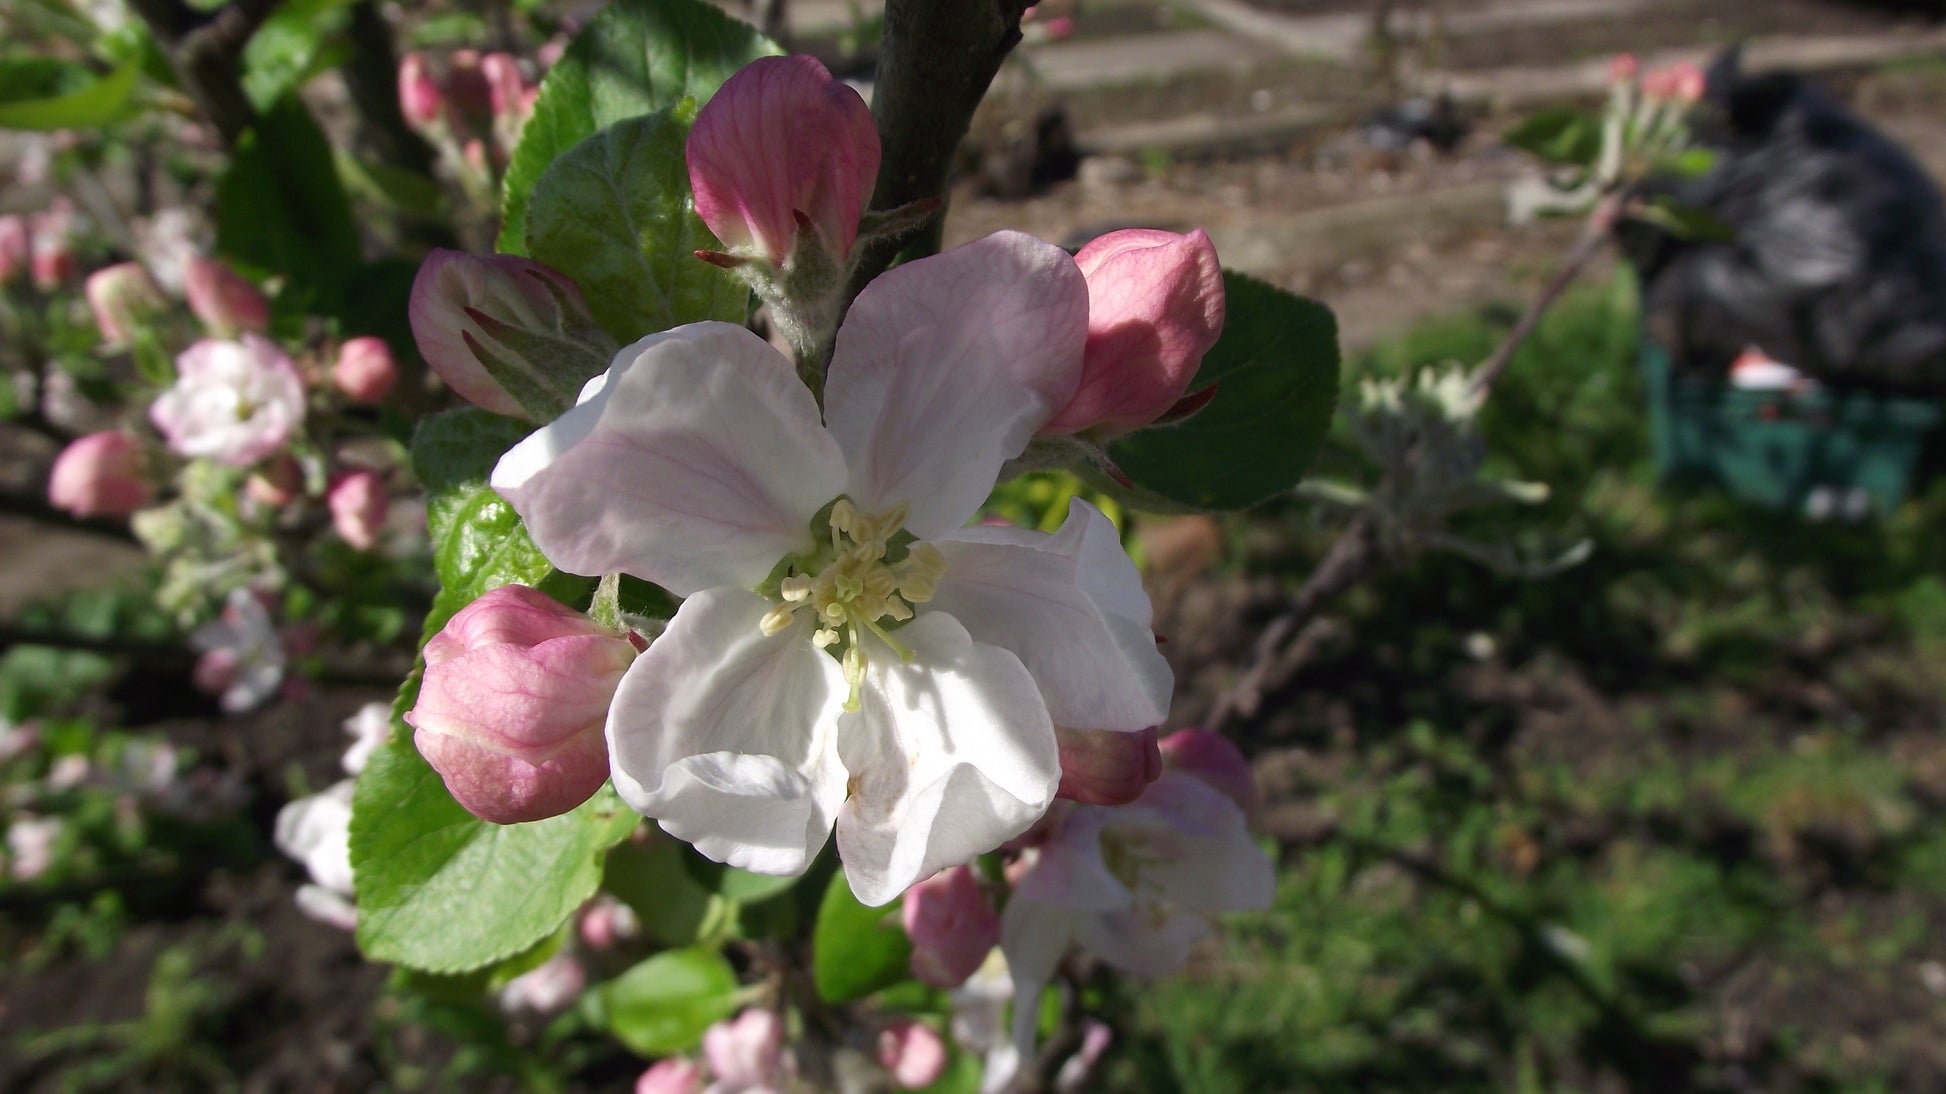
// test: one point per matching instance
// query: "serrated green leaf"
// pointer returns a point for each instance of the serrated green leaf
(856, 950)
(634, 58)
(45, 93)
(280, 208)
(1276, 375)
(615, 214)
(1559, 135)
(664, 1004)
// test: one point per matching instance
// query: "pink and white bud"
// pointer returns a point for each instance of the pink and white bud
(16, 248)
(358, 503)
(51, 246)
(364, 370)
(99, 475)
(550, 987)
(278, 483)
(1682, 82)
(513, 702)
(1623, 68)
(122, 298)
(746, 1051)
(457, 296)
(1216, 760)
(233, 402)
(506, 87)
(607, 922)
(913, 1053)
(223, 299)
(1106, 766)
(1155, 307)
(420, 97)
(671, 1076)
(782, 138)
(952, 925)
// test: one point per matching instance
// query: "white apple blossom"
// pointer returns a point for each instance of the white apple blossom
(242, 658)
(316, 831)
(233, 402)
(849, 653)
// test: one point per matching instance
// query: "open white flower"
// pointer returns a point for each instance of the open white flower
(848, 653)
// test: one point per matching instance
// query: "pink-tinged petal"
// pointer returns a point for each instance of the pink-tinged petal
(950, 754)
(1034, 936)
(364, 370)
(671, 1076)
(1155, 307)
(779, 138)
(99, 475)
(454, 290)
(1071, 607)
(1107, 766)
(223, 299)
(696, 461)
(946, 367)
(726, 736)
(913, 1053)
(1141, 942)
(952, 924)
(1069, 869)
(1204, 857)
(233, 402)
(746, 1052)
(1216, 760)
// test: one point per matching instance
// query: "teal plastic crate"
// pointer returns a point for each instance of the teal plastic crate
(1821, 451)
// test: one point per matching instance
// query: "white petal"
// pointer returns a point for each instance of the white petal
(697, 461)
(1204, 857)
(1071, 607)
(950, 755)
(1146, 941)
(1035, 937)
(725, 736)
(947, 366)
(1069, 871)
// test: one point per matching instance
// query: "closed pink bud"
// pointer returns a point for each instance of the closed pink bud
(1687, 82)
(467, 86)
(952, 926)
(512, 705)
(225, 301)
(458, 297)
(745, 1051)
(1155, 307)
(51, 258)
(99, 475)
(419, 95)
(16, 248)
(671, 1076)
(358, 502)
(365, 371)
(122, 298)
(506, 87)
(1106, 766)
(913, 1052)
(780, 138)
(277, 483)
(1622, 68)
(1216, 760)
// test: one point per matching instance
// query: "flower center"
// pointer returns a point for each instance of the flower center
(865, 577)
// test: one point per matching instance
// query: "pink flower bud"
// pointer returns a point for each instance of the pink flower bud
(122, 298)
(51, 245)
(419, 96)
(1106, 766)
(952, 925)
(780, 138)
(467, 86)
(16, 248)
(223, 299)
(557, 982)
(1687, 82)
(99, 475)
(364, 370)
(458, 298)
(1216, 760)
(607, 922)
(745, 1051)
(913, 1052)
(277, 483)
(511, 709)
(1155, 306)
(1622, 68)
(671, 1076)
(506, 87)
(358, 502)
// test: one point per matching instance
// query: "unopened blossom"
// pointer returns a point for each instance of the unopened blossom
(745, 1053)
(607, 922)
(242, 658)
(548, 987)
(226, 301)
(511, 708)
(1682, 82)
(358, 501)
(1135, 885)
(16, 248)
(364, 370)
(912, 1052)
(779, 141)
(99, 475)
(277, 483)
(1101, 767)
(233, 402)
(1155, 307)
(51, 235)
(1216, 760)
(316, 831)
(952, 924)
(30, 845)
(420, 97)
(849, 653)
(461, 303)
(121, 298)
(671, 1076)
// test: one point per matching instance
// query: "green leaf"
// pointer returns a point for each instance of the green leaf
(634, 58)
(1276, 375)
(1687, 222)
(615, 214)
(1559, 135)
(292, 46)
(856, 950)
(664, 1004)
(674, 907)
(281, 209)
(732, 883)
(44, 93)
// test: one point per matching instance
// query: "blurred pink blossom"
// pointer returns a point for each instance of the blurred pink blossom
(233, 402)
(99, 475)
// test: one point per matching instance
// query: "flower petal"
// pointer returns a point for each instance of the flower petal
(1143, 941)
(947, 366)
(697, 460)
(726, 736)
(951, 754)
(1205, 857)
(1071, 607)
